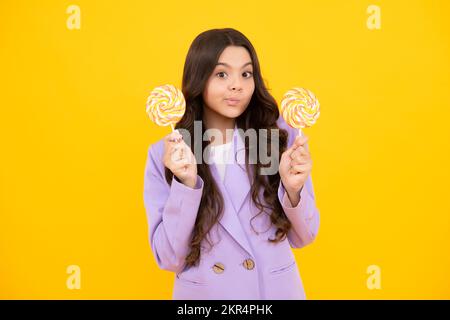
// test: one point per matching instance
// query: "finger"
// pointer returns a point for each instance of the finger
(177, 154)
(299, 152)
(300, 141)
(299, 168)
(180, 163)
(169, 149)
(175, 148)
(293, 172)
(169, 138)
(287, 154)
(174, 136)
(176, 161)
(289, 151)
(299, 160)
(183, 152)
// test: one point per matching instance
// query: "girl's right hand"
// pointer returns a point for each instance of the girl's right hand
(179, 159)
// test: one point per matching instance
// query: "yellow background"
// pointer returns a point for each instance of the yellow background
(74, 139)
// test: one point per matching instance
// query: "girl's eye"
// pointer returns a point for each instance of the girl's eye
(222, 74)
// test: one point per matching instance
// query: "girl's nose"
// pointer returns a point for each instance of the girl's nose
(236, 86)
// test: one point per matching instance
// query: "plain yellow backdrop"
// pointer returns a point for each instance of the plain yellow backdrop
(74, 139)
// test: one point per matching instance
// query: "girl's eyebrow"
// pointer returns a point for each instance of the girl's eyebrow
(227, 65)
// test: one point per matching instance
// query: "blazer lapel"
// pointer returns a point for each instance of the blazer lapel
(235, 188)
(236, 180)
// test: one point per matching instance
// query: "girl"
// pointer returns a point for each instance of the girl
(224, 228)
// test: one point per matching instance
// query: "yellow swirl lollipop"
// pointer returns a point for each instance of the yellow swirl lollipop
(166, 105)
(300, 108)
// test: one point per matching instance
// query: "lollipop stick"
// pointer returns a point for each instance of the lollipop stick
(171, 125)
(299, 132)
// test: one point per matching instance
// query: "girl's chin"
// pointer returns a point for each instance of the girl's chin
(233, 113)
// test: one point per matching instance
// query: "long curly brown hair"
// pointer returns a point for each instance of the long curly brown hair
(261, 113)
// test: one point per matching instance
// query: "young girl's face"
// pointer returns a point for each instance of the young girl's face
(232, 79)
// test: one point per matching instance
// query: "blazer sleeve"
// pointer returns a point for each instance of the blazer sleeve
(305, 216)
(171, 213)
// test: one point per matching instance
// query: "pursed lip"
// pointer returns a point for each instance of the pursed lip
(232, 99)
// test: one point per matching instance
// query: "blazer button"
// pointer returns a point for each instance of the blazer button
(218, 268)
(249, 264)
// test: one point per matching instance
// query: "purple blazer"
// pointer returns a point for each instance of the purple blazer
(242, 264)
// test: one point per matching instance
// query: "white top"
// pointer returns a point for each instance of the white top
(220, 156)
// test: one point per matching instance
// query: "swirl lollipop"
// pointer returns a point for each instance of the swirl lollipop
(300, 108)
(166, 105)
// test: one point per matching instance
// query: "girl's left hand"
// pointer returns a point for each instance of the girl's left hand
(295, 165)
